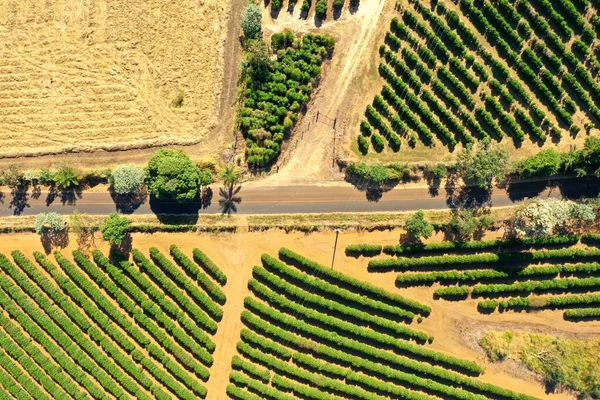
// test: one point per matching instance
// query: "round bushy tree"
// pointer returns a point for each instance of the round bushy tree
(115, 229)
(417, 226)
(481, 167)
(49, 223)
(173, 176)
(251, 22)
(541, 216)
(127, 179)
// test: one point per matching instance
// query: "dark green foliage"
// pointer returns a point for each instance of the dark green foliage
(173, 176)
(544, 164)
(321, 9)
(418, 227)
(582, 313)
(365, 250)
(453, 292)
(274, 97)
(209, 267)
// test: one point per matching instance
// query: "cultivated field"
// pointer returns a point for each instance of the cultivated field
(287, 328)
(109, 74)
(523, 73)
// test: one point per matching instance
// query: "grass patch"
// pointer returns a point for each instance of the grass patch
(563, 363)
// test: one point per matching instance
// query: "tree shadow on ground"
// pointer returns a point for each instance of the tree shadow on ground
(19, 199)
(121, 252)
(128, 203)
(229, 199)
(173, 212)
(55, 240)
(65, 196)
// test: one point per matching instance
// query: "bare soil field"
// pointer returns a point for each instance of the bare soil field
(456, 326)
(111, 75)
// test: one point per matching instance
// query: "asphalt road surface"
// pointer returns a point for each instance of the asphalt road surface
(266, 200)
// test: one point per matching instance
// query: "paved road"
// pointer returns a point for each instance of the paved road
(266, 200)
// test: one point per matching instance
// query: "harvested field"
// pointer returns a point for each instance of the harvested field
(82, 76)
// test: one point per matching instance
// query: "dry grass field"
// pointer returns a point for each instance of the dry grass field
(106, 74)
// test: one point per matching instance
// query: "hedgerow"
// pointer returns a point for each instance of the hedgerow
(314, 268)
(250, 369)
(206, 303)
(304, 297)
(98, 309)
(371, 303)
(397, 345)
(192, 270)
(453, 292)
(209, 267)
(137, 314)
(483, 258)
(365, 250)
(482, 245)
(536, 286)
(359, 355)
(582, 313)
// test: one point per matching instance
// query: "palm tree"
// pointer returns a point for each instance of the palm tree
(230, 175)
(66, 178)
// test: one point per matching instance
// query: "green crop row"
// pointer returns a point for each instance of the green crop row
(19, 384)
(191, 325)
(82, 326)
(286, 306)
(536, 286)
(250, 369)
(482, 258)
(482, 244)
(365, 250)
(151, 308)
(182, 280)
(209, 267)
(93, 309)
(138, 315)
(421, 278)
(263, 391)
(173, 290)
(194, 271)
(582, 313)
(266, 345)
(553, 302)
(453, 292)
(366, 353)
(339, 294)
(432, 39)
(471, 80)
(304, 297)
(319, 381)
(505, 118)
(338, 278)
(300, 390)
(37, 365)
(442, 111)
(443, 30)
(398, 345)
(239, 394)
(48, 322)
(463, 92)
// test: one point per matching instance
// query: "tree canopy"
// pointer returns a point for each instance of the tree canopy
(49, 223)
(479, 168)
(418, 227)
(127, 179)
(251, 22)
(115, 228)
(173, 176)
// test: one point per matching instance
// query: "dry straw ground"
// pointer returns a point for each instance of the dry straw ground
(106, 74)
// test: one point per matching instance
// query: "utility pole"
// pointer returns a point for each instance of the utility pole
(337, 232)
